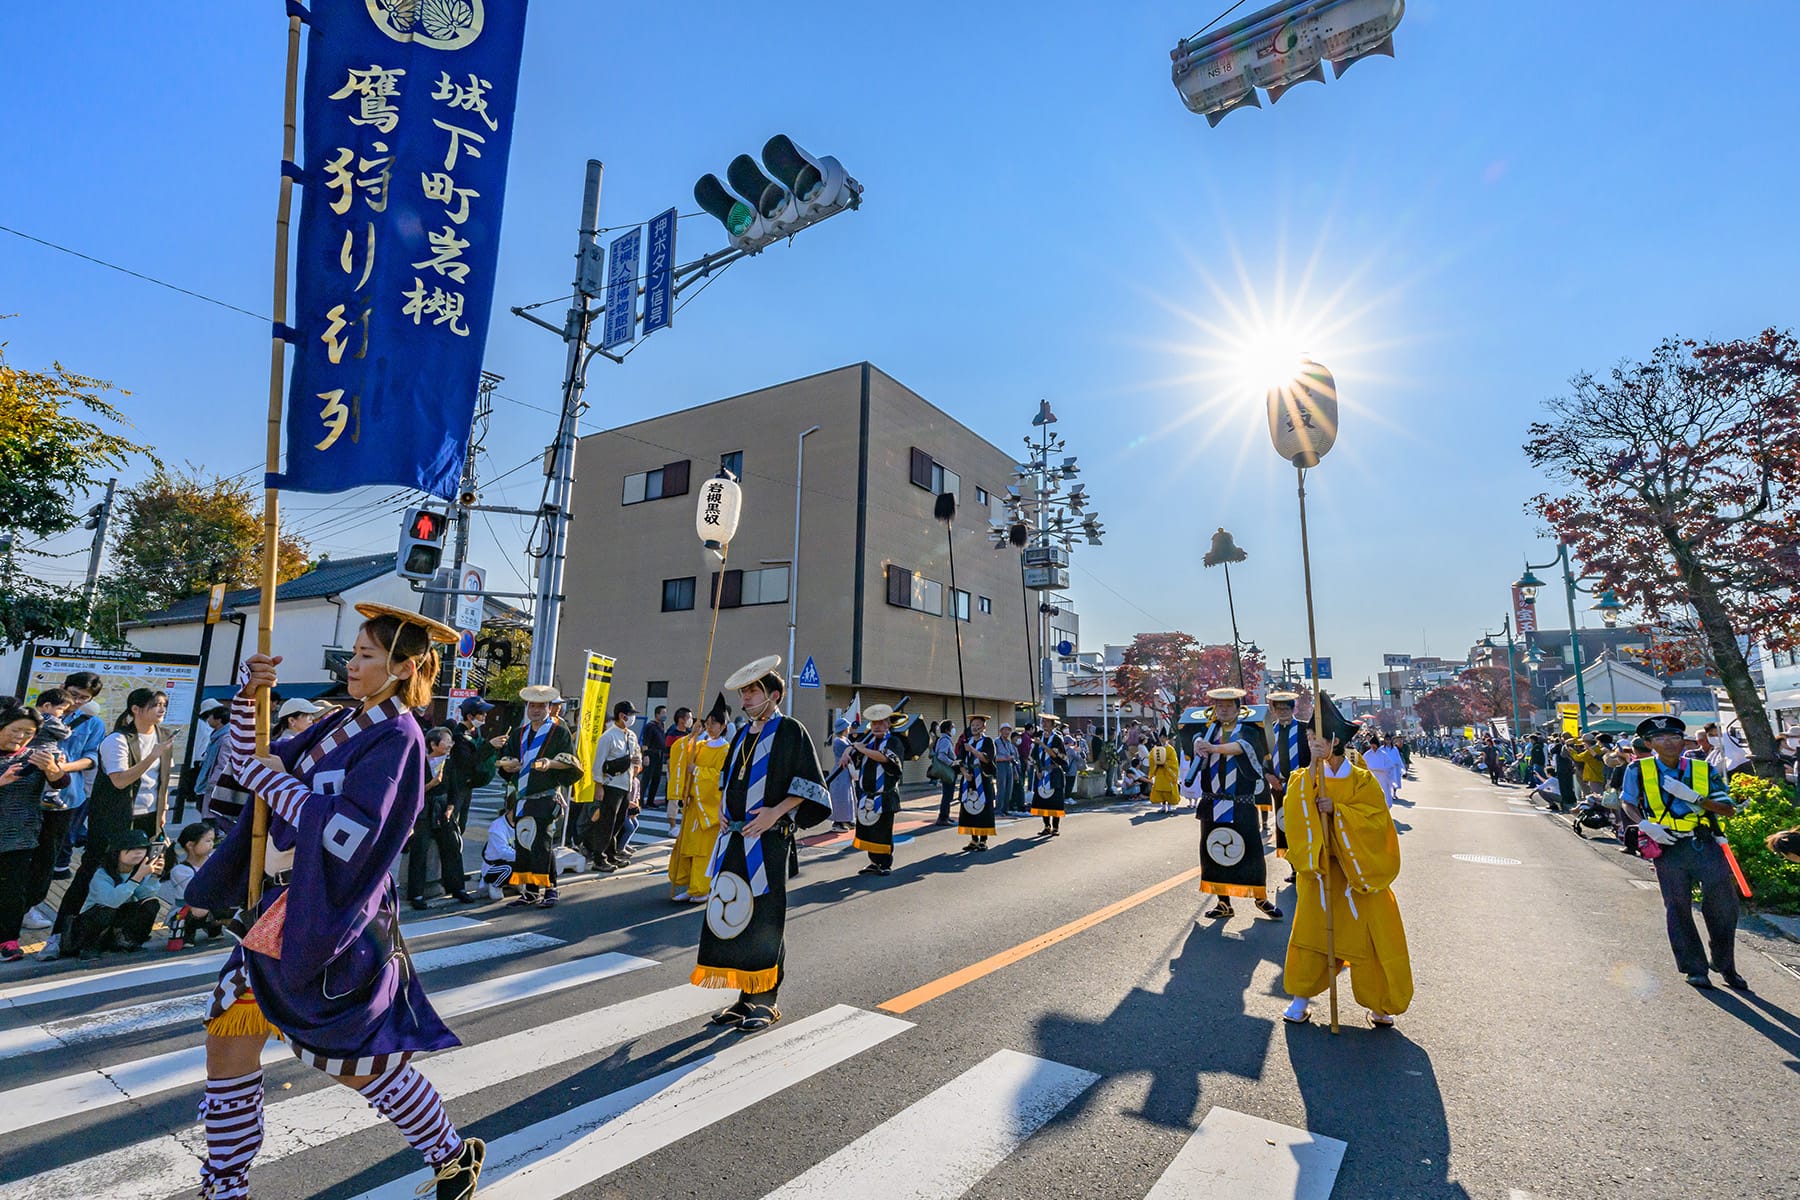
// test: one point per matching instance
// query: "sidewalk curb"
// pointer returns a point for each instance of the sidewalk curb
(1781, 926)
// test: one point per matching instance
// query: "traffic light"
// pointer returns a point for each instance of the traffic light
(421, 543)
(804, 191)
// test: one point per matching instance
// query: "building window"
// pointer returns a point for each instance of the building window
(981, 496)
(927, 596)
(665, 481)
(740, 589)
(733, 461)
(926, 472)
(959, 602)
(767, 586)
(906, 589)
(985, 606)
(678, 594)
(656, 689)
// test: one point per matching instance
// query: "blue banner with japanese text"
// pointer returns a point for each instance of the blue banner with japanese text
(408, 114)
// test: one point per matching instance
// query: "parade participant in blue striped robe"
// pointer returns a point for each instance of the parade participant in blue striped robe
(772, 783)
(1289, 751)
(1229, 754)
(981, 788)
(876, 762)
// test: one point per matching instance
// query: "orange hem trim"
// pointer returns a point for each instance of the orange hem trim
(1234, 889)
(1049, 812)
(730, 977)
(522, 879)
(871, 847)
(976, 830)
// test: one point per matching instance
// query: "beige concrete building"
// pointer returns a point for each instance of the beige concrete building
(874, 610)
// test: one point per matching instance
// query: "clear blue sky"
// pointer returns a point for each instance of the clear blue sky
(1530, 189)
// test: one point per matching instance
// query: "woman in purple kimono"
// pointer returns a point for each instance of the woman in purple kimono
(335, 981)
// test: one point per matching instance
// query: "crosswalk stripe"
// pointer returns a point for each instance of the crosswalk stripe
(86, 1091)
(942, 1146)
(555, 1157)
(1247, 1158)
(49, 991)
(166, 1165)
(176, 1010)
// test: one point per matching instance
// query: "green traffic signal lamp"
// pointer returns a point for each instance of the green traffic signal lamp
(734, 214)
(748, 181)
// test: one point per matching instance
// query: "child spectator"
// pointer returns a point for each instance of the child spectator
(121, 906)
(193, 846)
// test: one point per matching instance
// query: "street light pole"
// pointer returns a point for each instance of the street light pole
(1529, 584)
(794, 563)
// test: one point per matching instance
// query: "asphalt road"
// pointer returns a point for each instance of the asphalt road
(1552, 1051)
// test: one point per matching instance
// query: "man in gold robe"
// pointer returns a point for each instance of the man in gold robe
(1337, 799)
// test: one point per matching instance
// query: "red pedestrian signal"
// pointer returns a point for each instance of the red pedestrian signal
(421, 544)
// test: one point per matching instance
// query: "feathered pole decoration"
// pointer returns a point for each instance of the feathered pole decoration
(1224, 552)
(945, 511)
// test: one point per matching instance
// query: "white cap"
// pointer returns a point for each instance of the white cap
(296, 705)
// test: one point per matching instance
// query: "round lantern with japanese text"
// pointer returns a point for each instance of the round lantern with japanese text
(716, 517)
(1303, 415)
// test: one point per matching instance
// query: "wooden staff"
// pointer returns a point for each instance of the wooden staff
(265, 619)
(1312, 638)
(700, 708)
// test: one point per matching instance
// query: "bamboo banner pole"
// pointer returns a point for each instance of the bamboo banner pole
(1312, 641)
(700, 709)
(265, 619)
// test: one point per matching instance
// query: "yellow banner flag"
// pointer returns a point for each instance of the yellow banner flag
(594, 693)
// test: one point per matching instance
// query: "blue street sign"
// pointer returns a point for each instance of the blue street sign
(465, 644)
(809, 674)
(621, 290)
(659, 274)
(1324, 668)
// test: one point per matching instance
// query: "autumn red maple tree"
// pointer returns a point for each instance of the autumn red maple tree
(1173, 670)
(1681, 480)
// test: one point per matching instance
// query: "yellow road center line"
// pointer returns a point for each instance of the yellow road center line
(908, 1001)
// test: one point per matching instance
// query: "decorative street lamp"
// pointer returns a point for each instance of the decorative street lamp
(1528, 585)
(1609, 607)
(1303, 424)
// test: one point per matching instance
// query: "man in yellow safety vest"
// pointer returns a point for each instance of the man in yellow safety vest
(1676, 804)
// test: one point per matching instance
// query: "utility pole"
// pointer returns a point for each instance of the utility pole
(467, 493)
(99, 520)
(588, 286)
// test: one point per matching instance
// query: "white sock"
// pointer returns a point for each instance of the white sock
(1296, 1008)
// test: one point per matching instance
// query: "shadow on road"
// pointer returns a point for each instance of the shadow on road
(1196, 1025)
(1375, 1090)
(1766, 1017)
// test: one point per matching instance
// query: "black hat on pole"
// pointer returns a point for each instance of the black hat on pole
(1337, 729)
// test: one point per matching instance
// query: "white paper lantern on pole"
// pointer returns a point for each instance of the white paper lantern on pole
(1303, 415)
(716, 518)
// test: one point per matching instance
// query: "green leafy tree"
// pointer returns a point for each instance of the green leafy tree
(178, 532)
(55, 447)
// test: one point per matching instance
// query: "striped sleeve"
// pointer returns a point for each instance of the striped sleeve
(285, 794)
(241, 745)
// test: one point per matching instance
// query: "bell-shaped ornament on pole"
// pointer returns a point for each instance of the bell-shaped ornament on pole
(1224, 550)
(716, 518)
(1303, 415)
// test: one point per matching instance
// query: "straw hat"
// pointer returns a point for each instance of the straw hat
(759, 671)
(439, 631)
